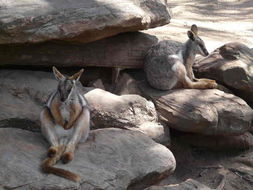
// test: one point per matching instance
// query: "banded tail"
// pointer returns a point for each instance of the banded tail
(47, 167)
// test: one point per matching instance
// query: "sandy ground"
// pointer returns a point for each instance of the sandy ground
(219, 21)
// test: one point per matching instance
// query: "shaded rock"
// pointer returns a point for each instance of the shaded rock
(240, 142)
(77, 20)
(124, 51)
(189, 184)
(210, 112)
(231, 65)
(97, 84)
(127, 85)
(21, 124)
(114, 159)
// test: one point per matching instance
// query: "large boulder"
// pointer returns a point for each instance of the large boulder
(77, 20)
(126, 111)
(209, 112)
(231, 65)
(110, 110)
(124, 51)
(111, 159)
(23, 94)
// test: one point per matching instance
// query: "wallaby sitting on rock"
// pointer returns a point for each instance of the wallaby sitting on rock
(168, 71)
(65, 120)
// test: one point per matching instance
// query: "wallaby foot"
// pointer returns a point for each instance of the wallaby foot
(212, 85)
(67, 157)
(52, 151)
(207, 83)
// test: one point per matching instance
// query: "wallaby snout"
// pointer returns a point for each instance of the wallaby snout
(206, 52)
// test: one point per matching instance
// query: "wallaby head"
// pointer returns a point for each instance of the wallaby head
(67, 85)
(197, 41)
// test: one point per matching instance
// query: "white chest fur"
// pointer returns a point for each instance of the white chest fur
(65, 111)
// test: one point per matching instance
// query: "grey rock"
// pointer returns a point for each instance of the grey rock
(210, 112)
(111, 159)
(231, 65)
(126, 85)
(239, 142)
(125, 51)
(126, 111)
(189, 184)
(98, 83)
(23, 93)
(157, 131)
(110, 110)
(77, 20)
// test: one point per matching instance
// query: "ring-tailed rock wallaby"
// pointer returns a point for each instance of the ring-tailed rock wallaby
(65, 120)
(165, 71)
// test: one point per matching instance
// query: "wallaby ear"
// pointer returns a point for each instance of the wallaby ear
(57, 74)
(191, 35)
(77, 75)
(194, 29)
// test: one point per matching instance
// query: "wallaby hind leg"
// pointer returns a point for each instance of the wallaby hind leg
(81, 130)
(188, 83)
(47, 128)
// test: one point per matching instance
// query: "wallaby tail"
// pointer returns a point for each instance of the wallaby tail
(47, 167)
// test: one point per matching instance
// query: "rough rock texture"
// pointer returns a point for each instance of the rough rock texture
(124, 50)
(126, 85)
(158, 132)
(23, 93)
(110, 110)
(221, 143)
(112, 159)
(210, 112)
(189, 184)
(77, 20)
(126, 111)
(231, 65)
(97, 84)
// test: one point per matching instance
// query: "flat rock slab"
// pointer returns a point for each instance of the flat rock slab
(124, 51)
(77, 20)
(231, 65)
(210, 112)
(112, 159)
(189, 184)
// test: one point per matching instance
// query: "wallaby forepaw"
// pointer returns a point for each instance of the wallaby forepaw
(67, 157)
(51, 152)
(212, 84)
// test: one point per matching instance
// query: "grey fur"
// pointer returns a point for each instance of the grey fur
(163, 60)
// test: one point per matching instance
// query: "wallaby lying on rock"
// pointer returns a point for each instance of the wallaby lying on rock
(65, 120)
(167, 71)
